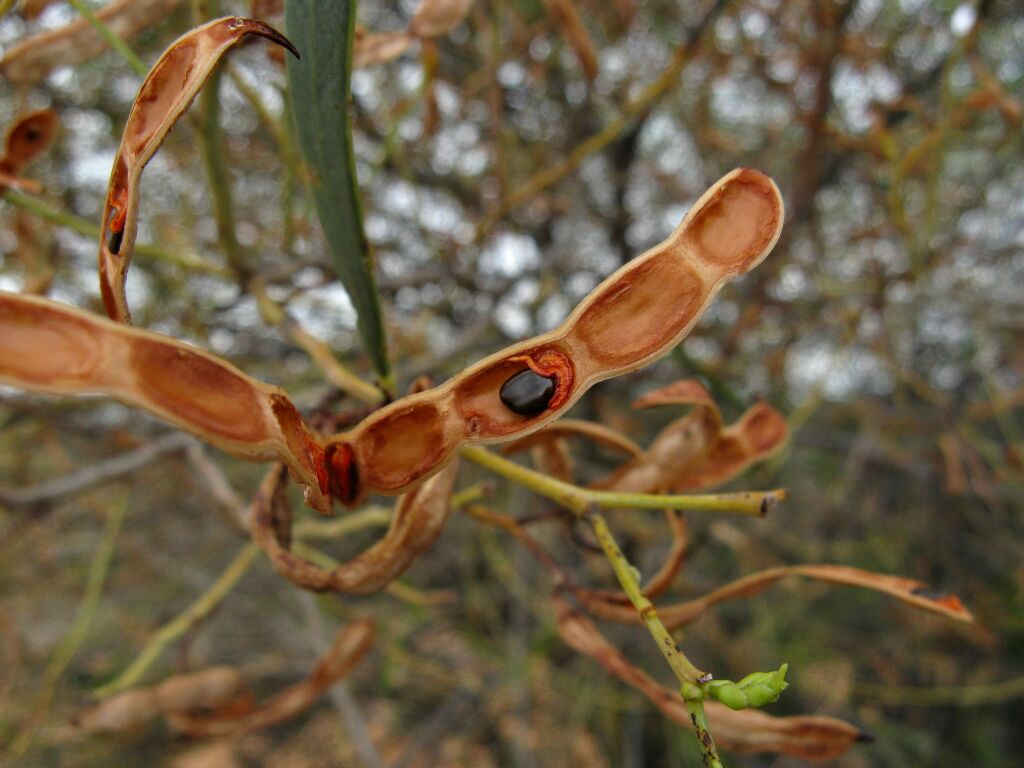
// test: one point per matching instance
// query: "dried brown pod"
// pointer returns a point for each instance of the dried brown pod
(165, 94)
(632, 318)
(433, 18)
(677, 449)
(27, 140)
(438, 17)
(629, 320)
(567, 20)
(758, 434)
(211, 688)
(371, 48)
(53, 348)
(910, 591)
(351, 644)
(807, 737)
(419, 518)
(126, 712)
(34, 58)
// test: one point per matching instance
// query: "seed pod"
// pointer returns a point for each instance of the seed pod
(30, 136)
(632, 318)
(165, 94)
(32, 59)
(418, 521)
(905, 590)
(50, 347)
(350, 645)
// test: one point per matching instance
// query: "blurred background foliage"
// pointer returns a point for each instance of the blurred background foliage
(506, 168)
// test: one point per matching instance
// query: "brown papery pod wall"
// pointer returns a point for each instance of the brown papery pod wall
(34, 58)
(54, 348)
(30, 136)
(418, 521)
(165, 94)
(633, 317)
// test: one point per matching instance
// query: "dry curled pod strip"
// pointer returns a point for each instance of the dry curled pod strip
(57, 349)
(27, 140)
(32, 59)
(419, 518)
(806, 737)
(757, 435)
(352, 643)
(433, 18)
(632, 318)
(910, 591)
(165, 94)
(212, 688)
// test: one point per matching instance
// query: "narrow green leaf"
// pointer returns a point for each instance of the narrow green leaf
(320, 94)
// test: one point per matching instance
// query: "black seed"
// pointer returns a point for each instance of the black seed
(114, 241)
(527, 393)
(114, 237)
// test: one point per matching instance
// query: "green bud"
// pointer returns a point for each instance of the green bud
(692, 692)
(754, 690)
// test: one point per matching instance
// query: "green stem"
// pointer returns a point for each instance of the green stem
(214, 151)
(67, 220)
(72, 641)
(583, 503)
(578, 500)
(708, 750)
(684, 669)
(111, 37)
(183, 622)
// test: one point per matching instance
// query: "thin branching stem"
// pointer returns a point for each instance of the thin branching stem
(37, 207)
(579, 500)
(201, 608)
(95, 580)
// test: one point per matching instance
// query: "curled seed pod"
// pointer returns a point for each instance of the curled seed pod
(165, 94)
(418, 521)
(350, 645)
(754, 690)
(758, 434)
(632, 318)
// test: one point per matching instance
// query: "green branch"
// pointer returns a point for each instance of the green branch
(579, 500)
